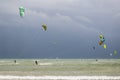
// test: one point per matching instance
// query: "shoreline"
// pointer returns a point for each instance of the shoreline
(7, 77)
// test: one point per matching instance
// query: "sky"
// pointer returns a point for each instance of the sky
(73, 30)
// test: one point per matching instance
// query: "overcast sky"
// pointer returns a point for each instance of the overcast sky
(74, 27)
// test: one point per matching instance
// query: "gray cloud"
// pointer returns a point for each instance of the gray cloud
(73, 25)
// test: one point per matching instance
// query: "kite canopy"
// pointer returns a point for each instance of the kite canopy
(44, 27)
(101, 36)
(115, 52)
(22, 11)
(104, 46)
(102, 40)
(94, 47)
(100, 43)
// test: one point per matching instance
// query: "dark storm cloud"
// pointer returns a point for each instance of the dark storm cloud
(73, 28)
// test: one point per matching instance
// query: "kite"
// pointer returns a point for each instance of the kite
(22, 11)
(94, 47)
(100, 43)
(101, 36)
(115, 52)
(44, 27)
(110, 54)
(104, 46)
(102, 40)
